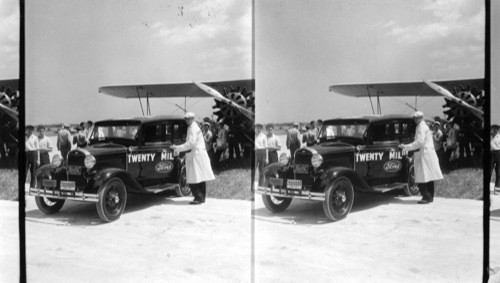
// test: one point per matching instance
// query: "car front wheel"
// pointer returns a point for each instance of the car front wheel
(49, 205)
(339, 197)
(112, 200)
(276, 204)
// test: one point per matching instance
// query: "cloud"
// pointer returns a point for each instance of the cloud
(443, 19)
(221, 30)
(204, 20)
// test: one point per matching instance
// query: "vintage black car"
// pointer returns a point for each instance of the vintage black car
(123, 156)
(352, 155)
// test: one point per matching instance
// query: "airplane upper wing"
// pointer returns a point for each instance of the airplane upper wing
(402, 88)
(174, 89)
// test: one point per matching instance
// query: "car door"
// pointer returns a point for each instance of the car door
(382, 157)
(154, 158)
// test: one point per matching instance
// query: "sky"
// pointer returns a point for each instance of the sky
(303, 47)
(495, 62)
(9, 39)
(75, 46)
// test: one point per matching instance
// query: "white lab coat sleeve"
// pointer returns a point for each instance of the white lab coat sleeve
(190, 140)
(419, 139)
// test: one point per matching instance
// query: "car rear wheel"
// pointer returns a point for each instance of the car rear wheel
(339, 197)
(411, 189)
(112, 200)
(183, 190)
(276, 204)
(49, 205)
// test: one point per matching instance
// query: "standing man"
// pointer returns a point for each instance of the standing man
(273, 144)
(209, 143)
(425, 159)
(437, 136)
(45, 146)
(32, 156)
(80, 139)
(292, 139)
(198, 169)
(261, 158)
(63, 142)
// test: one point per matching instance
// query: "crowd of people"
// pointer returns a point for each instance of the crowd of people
(38, 146)
(454, 143)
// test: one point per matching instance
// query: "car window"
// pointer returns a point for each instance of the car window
(152, 134)
(385, 132)
(168, 132)
(114, 131)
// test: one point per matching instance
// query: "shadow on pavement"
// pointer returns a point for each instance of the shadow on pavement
(85, 213)
(311, 212)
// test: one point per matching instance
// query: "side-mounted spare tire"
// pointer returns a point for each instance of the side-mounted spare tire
(411, 188)
(112, 200)
(183, 190)
(339, 197)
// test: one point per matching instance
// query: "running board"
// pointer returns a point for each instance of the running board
(161, 188)
(389, 187)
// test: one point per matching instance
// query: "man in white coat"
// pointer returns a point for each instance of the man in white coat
(198, 169)
(425, 159)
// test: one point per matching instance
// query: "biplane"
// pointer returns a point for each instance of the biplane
(234, 100)
(464, 99)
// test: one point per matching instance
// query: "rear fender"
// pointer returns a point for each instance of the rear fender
(335, 172)
(105, 175)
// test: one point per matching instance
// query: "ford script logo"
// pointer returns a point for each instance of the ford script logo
(164, 167)
(393, 166)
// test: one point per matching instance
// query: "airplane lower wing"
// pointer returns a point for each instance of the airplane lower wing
(173, 90)
(402, 88)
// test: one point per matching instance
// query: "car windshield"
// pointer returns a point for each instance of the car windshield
(338, 129)
(103, 132)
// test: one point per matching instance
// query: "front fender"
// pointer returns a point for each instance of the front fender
(335, 172)
(105, 175)
(272, 169)
(50, 171)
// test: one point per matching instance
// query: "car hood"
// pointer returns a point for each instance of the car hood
(103, 149)
(331, 147)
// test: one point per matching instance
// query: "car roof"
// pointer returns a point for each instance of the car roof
(375, 118)
(145, 119)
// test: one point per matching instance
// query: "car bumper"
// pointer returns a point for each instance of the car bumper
(58, 194)
(290, 193)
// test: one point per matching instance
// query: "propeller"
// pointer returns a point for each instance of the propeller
(448, 95)
(217, 95)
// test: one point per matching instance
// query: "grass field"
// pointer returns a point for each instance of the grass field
(230, 184)
(9, 184)
(465, 183)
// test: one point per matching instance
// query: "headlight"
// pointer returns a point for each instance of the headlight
(316, 160)
(89, 161)
(284, 159)
(56, 160)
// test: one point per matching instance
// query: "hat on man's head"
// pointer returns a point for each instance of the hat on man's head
(30, 127)
(189, 115)
(66, 125)
(418, 114)
(295, 124)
